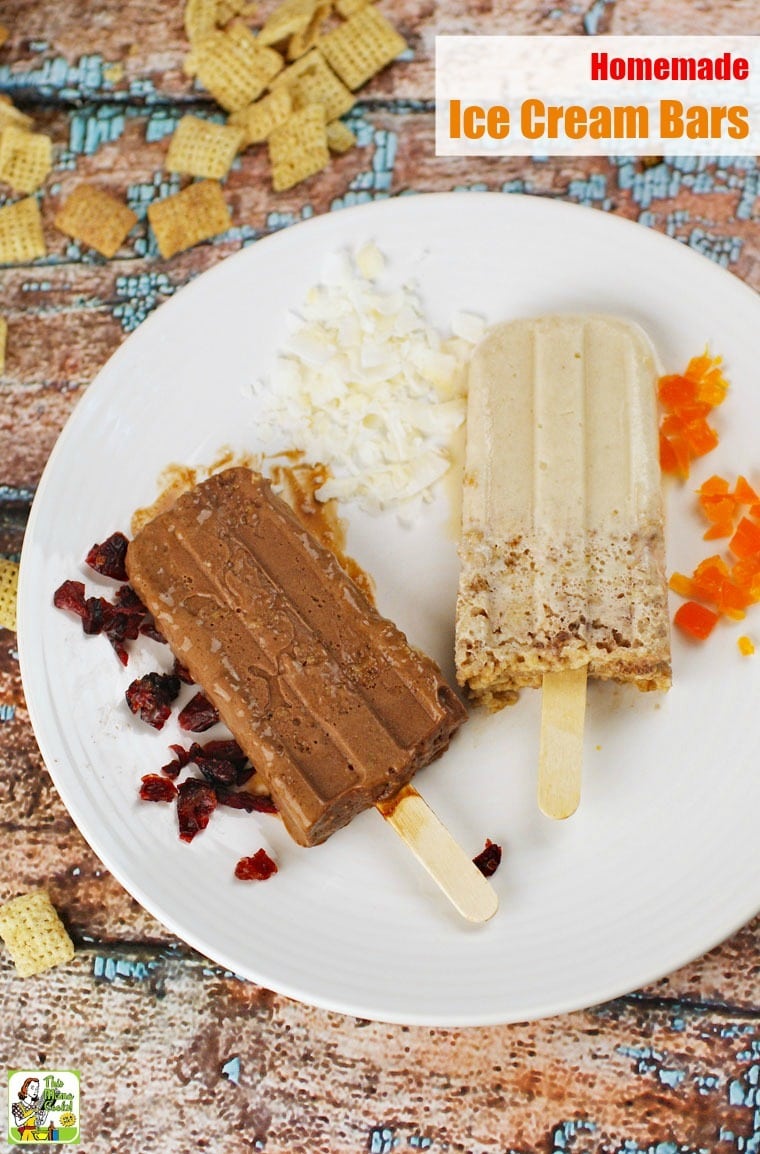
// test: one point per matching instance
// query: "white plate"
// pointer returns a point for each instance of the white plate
(662, 860)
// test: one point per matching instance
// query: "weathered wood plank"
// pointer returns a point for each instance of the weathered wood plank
(46, 45)
(680, 18)
(189, 1058)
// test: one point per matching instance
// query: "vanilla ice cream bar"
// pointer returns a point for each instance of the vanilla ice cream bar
(330, 702)
(562, 548)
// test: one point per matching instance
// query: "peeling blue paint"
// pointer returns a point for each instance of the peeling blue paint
(139, 296)
(382, 1140)
(12, 493)
(647, 1060)
(109, 969)
(57, 77)
(84, 79)
(592, 191)
(593, 17)
(231, 1070)
(518, 185)
(161, 123)
(671, 1078)
(563, 1133)
(374, 183)
(91, 127)
(724, 250)
(706, 1083)
(701, 174)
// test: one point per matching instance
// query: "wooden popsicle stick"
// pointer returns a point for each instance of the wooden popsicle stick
(560, 759)
(443, 858)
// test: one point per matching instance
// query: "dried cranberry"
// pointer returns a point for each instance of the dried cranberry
(250, 802)
(97, 612)
(489, 858)
(181, 672)
(181, 759)
(109, 558)
(70, 596)
(155, 788)
(151, 696)
(129, 601)
(149, 629)
(257, 868)
(225, 748)
(119, 650)
(198, 715)
(217, 770)
(196, 802)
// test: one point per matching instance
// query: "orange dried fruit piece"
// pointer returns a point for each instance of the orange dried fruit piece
(697, 621)
(700, 437)
(674, 455)
(718, 508)
(714, 486)
(682, 585)
(744, 494)
(719, 530)
(675, 390)
(746, 575)
(706, 372)
(746, 539)
(732, 602)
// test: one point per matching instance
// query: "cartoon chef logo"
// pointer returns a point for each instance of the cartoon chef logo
(43, 1106)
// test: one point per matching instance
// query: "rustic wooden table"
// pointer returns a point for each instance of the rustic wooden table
(174, 1053)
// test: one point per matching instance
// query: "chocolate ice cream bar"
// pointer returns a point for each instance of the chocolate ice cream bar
(333, 706)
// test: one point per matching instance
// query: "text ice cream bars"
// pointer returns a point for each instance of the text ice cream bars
(562, 549)
(327, 698)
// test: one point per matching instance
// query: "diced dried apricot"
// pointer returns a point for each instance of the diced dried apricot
(713, 486)
(718, 509)
(674, 456)
(746, 646)
(700, 437)
(746, 540)
(746, 576)
(673, 425)
(718, 530)
(744, 494)
(668, 459)
(706, 372)
(682, 585)
(695, 620)
(732, 601)
(675, 390)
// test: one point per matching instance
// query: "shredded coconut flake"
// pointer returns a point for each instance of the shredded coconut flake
(366, 386)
